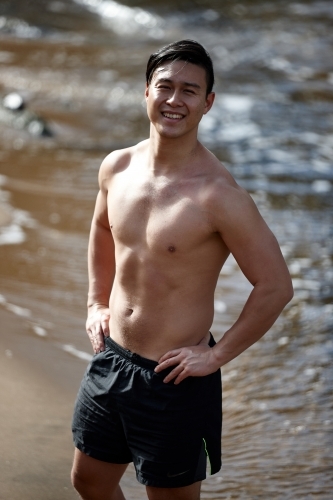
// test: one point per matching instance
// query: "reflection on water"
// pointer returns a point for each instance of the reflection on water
(80, 66)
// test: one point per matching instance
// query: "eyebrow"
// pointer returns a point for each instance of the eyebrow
(186, 84)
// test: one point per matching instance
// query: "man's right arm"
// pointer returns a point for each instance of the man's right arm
(101, 268)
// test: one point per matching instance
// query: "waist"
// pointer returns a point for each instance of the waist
(137, 359)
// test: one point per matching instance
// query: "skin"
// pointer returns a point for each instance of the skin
(167, 216)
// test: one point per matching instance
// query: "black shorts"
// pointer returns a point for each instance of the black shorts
(124, 413)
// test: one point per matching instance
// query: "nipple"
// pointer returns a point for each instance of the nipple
(171, 248)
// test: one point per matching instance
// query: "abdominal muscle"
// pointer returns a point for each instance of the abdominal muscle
(155, 322)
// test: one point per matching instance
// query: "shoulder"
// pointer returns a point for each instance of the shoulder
(226, 193)
(117, 161)
(227, 203)
(220, 186)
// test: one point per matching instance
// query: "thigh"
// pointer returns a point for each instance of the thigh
(167, 442)
(97, 425)
(191, 492)
(94, 478)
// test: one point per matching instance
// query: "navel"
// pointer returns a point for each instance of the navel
(171, 248)
(128, 312)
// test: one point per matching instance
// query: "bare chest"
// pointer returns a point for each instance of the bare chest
(162, 217)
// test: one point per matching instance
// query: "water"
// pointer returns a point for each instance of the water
(80, 65)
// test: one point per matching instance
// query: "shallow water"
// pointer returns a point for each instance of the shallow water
(80, 65)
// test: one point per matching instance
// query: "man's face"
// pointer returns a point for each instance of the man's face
(176, 98)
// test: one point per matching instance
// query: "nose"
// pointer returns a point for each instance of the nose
(174, 99)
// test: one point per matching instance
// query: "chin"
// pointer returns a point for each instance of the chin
(169, 132)
(170, 135)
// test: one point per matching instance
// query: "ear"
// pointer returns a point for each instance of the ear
(209, 102)
(147, 91)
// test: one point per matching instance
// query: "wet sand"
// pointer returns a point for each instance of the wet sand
(38, 386)
(5, 216)
(35, 414)
(38, 390)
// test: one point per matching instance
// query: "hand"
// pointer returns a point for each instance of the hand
(97, 326)
(193, 361)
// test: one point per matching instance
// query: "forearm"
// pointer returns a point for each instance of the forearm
(260, 312)
(101, 266)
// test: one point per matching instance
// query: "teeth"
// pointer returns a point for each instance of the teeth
(172, 115)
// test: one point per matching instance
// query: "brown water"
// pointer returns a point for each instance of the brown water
(80, 65)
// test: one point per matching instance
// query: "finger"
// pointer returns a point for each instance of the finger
(182, 376)
(99, 341)
(100, 345)
(167, 363)
(105, 318)
(96, 338)
(92, 338)
(91, 335)
(173, 374)
(168, 355)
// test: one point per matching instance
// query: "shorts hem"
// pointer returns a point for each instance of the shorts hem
(168, 483)
(98, 456)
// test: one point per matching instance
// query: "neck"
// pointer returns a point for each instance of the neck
(171, 154)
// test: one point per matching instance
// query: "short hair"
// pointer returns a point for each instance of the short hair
(183, 50)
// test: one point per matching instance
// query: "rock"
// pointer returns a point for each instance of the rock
(13, 112)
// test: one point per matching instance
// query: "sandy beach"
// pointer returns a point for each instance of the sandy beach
(35, 413)
(38, 385)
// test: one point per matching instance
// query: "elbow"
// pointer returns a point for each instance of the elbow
(281, 291)
(290, 293)
(286, 292)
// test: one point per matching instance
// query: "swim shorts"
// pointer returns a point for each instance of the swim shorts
(124, 413)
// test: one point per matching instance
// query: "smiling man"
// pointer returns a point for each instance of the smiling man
(167, 216)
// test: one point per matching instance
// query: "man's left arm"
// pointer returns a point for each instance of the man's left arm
(258, 254)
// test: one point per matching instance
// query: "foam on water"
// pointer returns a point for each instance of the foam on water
(76, 352)
(41, 332)
(18, 28)
(125, 20)
(23, 312)
(229, 120)
(12, 231)
(12, 235)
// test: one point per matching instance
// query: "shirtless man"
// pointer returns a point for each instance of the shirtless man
(167, 216)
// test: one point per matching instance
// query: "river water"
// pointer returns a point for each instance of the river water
(80, 65)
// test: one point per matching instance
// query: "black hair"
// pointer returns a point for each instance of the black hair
(183, 50)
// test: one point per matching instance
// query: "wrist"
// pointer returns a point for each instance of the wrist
(220, 355)
(96, 306)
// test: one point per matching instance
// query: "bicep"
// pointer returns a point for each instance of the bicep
(100, 216)
(105, 178)
(251, 242)
(101, 244)
(101, 239)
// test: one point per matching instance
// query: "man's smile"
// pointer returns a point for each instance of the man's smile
(172, 116)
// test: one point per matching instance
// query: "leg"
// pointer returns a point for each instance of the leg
(96, 480)
(191, 492)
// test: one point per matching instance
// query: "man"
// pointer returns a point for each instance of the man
(167, 216)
